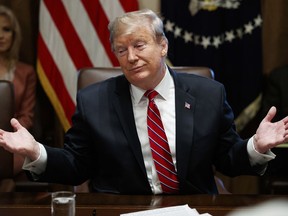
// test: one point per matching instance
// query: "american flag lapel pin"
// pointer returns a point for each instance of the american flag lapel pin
(187, 105)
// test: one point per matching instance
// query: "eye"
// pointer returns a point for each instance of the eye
(121, 51)
(7, 29)
(140, 46)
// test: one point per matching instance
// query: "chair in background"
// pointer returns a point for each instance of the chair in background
(6, 113)
(275, 181)
(88, 76)
(8, 182)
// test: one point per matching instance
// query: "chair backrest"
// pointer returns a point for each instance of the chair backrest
(6, 113)
(88, 76)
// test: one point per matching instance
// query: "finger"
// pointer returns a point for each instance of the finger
(15, 124)
(285, 120)
(285, 124)
(270, 115)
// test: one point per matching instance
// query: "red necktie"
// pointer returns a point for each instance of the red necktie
(159, 146)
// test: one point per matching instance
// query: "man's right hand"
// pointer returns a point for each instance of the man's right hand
(20, 141)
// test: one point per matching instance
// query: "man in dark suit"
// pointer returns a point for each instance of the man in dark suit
(108, 142)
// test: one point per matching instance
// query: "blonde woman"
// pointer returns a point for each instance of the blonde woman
(22, 75)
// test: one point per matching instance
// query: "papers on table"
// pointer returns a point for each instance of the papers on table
(182, 210)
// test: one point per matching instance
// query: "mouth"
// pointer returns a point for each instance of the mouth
(136, 69)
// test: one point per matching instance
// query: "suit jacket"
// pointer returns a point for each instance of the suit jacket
(25, 80)
(103, 146)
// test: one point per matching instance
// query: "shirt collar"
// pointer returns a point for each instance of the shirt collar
(162, 88)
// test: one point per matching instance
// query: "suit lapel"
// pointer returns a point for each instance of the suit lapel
(185, 104)
(123, 106)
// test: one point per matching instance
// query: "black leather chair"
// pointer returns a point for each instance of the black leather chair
(87, 76)
(276, 94)
(6, 104)
(8, 182)
(6, 113)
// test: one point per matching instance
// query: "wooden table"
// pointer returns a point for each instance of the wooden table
(88, 204)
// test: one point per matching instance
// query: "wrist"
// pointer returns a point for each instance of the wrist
(36, 151)
(257, 146)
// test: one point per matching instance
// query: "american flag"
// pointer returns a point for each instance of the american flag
(73, 34)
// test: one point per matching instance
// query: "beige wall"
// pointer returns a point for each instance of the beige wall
(275, 34)
(151, 4)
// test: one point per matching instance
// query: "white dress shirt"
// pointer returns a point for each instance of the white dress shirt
(165, 101)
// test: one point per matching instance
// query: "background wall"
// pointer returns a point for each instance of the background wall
(275, 31)
(275, 34)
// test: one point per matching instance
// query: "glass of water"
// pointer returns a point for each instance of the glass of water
(63, 203)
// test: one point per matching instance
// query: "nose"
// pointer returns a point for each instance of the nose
(132, 54)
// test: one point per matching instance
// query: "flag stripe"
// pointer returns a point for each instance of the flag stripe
(87, 33)
(59, 53)
(100, 23)
(57, 82)
(112, 8)
(66, 29)
(132, 6)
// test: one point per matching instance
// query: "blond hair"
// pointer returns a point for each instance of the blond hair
(12, 54)
(137, 18)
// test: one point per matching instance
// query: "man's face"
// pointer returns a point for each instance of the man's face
(140, 56)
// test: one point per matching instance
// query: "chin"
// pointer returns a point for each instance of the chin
(139, 78)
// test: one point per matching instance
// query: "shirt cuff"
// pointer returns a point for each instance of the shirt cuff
(255, 157)
(37, 166)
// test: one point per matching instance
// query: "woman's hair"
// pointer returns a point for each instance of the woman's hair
(145, 17)
(13, 53)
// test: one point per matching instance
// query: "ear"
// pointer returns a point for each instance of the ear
(164, 46)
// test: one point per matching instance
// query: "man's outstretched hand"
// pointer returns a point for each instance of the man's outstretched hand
(270, 134)
(20, 141)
